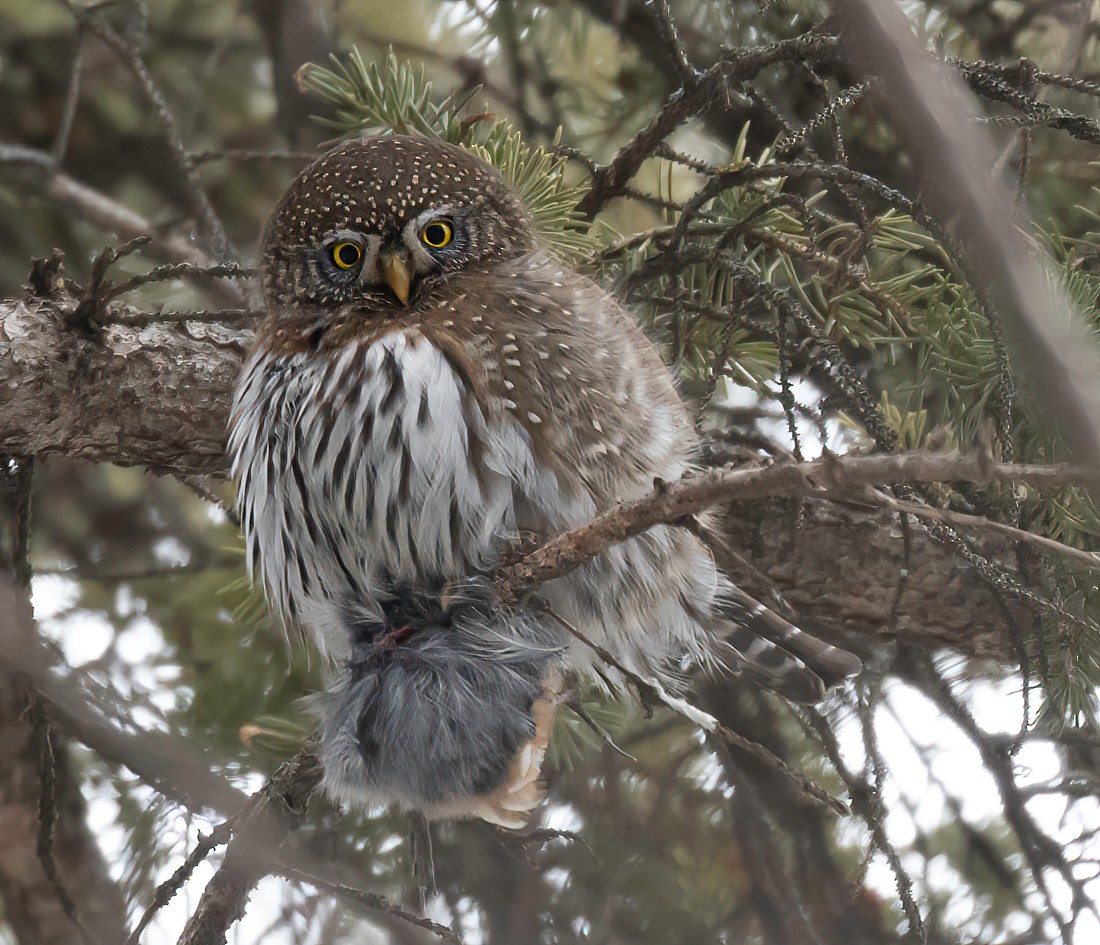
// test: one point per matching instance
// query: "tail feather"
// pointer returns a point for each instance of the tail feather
(778, 655)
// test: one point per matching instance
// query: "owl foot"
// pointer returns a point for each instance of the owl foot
(510, 804)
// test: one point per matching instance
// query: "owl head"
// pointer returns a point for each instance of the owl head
(379, 221)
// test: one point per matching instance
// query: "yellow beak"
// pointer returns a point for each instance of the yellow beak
(396, 273)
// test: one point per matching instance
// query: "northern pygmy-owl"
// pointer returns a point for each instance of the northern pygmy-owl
(428, 386)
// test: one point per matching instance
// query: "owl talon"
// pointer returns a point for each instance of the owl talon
(523, 803)
(523, 767)
(520, 793)
(509, 804)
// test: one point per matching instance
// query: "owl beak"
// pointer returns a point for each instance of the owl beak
(395, 270)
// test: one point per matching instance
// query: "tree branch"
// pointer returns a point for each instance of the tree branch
(262, 827)
(155, 396)
(258, 832)
(158, 396)
(55, 885)
(711, 86)
(39, 170)
(831, 477)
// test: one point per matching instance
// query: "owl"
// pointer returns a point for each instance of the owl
(429, 392)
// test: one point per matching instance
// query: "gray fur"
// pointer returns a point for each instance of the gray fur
(439, 717)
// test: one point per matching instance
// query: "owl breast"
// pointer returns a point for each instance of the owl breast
(369, 467)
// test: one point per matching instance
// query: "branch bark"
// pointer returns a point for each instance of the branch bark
(154, 396)
(849, 574)
(836, 477)
(158, 396)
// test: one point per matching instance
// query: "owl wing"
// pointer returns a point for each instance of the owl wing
(603, 416)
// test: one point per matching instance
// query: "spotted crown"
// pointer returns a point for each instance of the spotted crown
(377, 185)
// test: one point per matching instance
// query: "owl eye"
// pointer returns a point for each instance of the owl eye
(437, 234)
(346, 255)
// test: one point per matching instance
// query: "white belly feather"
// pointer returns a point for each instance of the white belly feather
(356, 471)
(359, 471)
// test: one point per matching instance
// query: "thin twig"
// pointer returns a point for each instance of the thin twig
(47, 816)
(965, 520)
(226, 316)
(167, 121)
(737, 66)
(1040, 850)
(37, 168)
(229, 270)
(666, 30)
(868, 804)
(230, 154)
(1040, 113)
(167, 890)
(72, 97)
(372, 902)
(653, 692)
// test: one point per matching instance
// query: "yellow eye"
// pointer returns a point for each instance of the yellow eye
(346, 254)
(437, 234)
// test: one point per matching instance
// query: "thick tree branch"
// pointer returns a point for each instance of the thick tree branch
(258, 832)
(155, 396)
(158, 396)
(55, 885)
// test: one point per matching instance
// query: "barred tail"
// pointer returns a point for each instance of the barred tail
(776, 654)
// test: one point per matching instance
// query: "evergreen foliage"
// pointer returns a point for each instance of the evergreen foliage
(774, 239)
